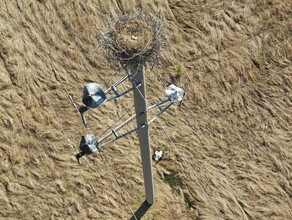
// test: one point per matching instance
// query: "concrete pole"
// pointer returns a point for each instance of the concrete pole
(140, 108)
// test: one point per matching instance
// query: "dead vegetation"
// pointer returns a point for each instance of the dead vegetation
(231, 139)
(135, 37)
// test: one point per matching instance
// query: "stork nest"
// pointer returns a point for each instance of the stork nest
(134, 38)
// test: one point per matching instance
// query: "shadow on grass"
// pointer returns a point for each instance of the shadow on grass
(141, 211)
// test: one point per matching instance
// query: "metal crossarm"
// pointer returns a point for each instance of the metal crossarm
(114, 87)
(116, 84)
(94, 96)
(161, 106)
(117, 137)
(117, 94)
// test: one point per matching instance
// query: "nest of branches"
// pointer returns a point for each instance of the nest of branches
(134, 38)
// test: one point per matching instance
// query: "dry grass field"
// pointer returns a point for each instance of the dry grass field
(227, 148)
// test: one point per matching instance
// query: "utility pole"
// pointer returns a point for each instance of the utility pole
(140, 108)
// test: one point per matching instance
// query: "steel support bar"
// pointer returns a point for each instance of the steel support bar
(140, 107)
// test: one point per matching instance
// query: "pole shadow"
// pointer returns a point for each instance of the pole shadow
(141, 211)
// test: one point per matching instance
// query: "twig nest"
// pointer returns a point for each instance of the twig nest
(134, 38)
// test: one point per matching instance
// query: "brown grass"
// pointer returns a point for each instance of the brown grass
(231, 138)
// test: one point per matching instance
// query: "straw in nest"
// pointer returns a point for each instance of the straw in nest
(134, 38)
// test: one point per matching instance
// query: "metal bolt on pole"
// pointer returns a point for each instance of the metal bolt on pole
(140, 108)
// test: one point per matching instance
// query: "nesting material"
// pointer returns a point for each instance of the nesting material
(134, 38)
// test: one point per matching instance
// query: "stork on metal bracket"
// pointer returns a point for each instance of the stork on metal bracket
(94, 96)
(90, 144)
